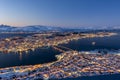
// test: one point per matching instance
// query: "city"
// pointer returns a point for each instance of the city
(19, 44)
(70, 64)
(59, 39)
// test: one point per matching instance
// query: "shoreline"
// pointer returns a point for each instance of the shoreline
(63, 60)
(65, 66)
(25, 44)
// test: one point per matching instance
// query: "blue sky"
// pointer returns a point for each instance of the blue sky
(66, 13)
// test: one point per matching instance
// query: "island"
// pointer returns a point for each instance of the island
(23, 44)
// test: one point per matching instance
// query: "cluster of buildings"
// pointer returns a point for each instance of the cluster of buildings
(70, 64)
(21, 44)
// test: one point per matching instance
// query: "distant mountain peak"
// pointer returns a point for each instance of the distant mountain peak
(40, 28)
(31, 28)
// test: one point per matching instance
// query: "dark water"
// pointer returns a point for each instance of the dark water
(110, 43)
(102, 77)
(40, 55)
(45, 55)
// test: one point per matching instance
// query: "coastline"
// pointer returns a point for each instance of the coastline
(60, 67)
(25, 44)
(28, 71)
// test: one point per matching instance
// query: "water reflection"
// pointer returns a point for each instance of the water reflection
(31, 57)
(47, 54)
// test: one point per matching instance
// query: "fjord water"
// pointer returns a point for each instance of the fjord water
(40, 55)
(110, 43)
(47, 54)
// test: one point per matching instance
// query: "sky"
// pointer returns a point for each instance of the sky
(65, 13)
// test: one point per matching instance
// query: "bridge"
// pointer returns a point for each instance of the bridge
(56, 48)
(61, 50)
(69, 49)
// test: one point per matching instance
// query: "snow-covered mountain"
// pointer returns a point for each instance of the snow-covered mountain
(5, 28)
(39, 28)
(98, 27)
(35, 28)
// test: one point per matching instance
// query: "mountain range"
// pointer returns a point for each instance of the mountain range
(40, 28)
(33, 28)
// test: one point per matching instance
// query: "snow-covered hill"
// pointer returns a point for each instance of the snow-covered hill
(39, 28)
(35, 28)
